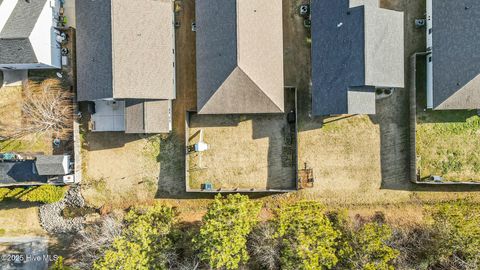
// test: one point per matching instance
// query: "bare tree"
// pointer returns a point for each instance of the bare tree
(92, 241)
(46, 107)
(265, 247)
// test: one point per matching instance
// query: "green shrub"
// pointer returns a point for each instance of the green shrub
(59, 265)
(145, 243)
(3, 193)
(2, 232)
(457, 237)
(222, 240)
(15, 193)
(44, 194)
(371, 249)
(308, 238)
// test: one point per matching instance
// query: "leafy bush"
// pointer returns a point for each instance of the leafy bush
(364, 244)
(457, 237)
(43, 194)
(3, 193)
(308, 238)
(222, 240)
(145, 243)
(59, 265)
(15, 193)
(370, 247)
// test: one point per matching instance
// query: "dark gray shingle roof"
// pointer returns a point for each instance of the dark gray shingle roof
(125, 49)
(455, 54)
(94, 49)
(356, 46)
(338, 60)
(19, 172)
(216, 38)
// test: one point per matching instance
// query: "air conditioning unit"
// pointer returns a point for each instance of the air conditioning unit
(68, 179)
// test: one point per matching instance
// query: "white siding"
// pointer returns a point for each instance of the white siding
(43, 37)
(6, 8)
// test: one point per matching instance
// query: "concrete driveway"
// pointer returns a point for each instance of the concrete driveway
(24, 253)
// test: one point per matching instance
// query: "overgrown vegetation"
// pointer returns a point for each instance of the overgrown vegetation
(308, 239)
(41, 194)
(145, 243)
(456, 242)
(447, 143)
(222, 240)
(47, 108)
(303, 235)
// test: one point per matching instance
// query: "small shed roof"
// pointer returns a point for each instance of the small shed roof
(53, 165)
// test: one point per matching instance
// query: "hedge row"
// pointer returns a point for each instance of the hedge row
(42, 194)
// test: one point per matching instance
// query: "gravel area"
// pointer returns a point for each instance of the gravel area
(51, 217)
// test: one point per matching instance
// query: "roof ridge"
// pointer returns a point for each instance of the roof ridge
(227, 81)
(263, 92)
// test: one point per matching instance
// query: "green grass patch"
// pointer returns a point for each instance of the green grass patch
(41, 194)
(41, 144)
(448, 144)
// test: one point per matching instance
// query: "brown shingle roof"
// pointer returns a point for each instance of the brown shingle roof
(239, 57)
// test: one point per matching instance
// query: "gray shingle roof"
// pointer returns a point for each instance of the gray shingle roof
(50, 165)
(17, 51)
(125, 49)
(94, 49)
(23, 19)
(15, 46)
(147, 116)
(234, 47)
(455, 47)
(353, 47)
(19, 172)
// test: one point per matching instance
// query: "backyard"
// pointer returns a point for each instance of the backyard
(447, 145)
(119, 169)
(245, 152)
(10, 115)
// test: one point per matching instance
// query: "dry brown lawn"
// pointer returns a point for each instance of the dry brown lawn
(120, 169)
(244, 152)
(10, 115)
(20, 219)
(345, 157)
